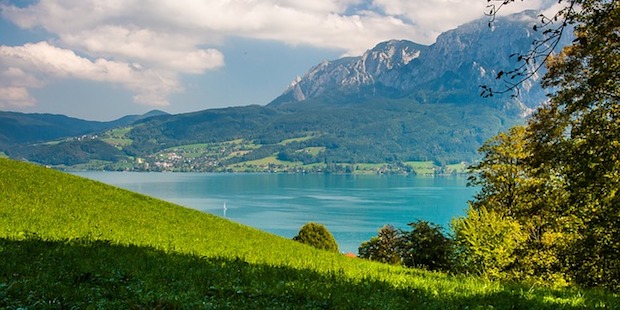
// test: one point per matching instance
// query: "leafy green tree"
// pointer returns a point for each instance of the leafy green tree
(318, 236)
(425, 246)
(511, 189)
(572, 147)
(578, 133)
(502, 173)
(384, 247)
(486, 241)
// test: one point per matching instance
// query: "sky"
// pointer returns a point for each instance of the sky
(103, 59)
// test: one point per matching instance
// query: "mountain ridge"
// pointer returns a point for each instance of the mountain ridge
(20, 128)
(460, 60)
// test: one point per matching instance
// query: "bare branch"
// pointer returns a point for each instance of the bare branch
(531, 62)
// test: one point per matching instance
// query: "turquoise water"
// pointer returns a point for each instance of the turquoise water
(352, 207)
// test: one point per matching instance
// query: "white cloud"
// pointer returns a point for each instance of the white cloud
(13, 76)
(320, 6)
(15, 97)
(172, 26)
(159, 30)
(36, 62)
(175, 52)
(145, 45)
(432, 17)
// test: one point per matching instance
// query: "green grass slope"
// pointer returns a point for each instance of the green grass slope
(68, 242)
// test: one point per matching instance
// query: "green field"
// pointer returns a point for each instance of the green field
(117, 137)
(313, 150)
(422, 167)
(459, 168)
(300, 139)
(68, 242)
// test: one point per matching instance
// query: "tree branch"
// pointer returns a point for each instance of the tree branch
(532, 61)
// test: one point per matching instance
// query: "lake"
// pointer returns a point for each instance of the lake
(352, 207)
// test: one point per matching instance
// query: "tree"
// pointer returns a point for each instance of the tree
(318, 236)
(486, 242)
(511, 190)
(553, 29)
(384, 247)
(502, 173)
(572, 148)
(425, 246)
(578, 133)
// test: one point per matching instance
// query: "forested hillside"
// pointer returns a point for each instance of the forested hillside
(23, 128)
(373, 131)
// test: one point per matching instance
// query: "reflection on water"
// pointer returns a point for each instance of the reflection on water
(352, 207)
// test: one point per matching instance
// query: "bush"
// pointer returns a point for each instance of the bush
(318, 236)
(384, 247)
(486, 242)
(425, 246)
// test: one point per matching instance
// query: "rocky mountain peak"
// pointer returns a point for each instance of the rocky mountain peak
(450, 70)
(389, 55)
(352, 73)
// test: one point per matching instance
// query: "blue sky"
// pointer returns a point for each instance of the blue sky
(103, 59)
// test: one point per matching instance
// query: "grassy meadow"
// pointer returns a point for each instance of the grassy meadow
(69, 242)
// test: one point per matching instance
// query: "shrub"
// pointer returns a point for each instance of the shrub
(426, 246)
(318, 236)
(486, 242)
(384, 247)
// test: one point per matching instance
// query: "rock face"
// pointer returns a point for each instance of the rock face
(450, 70)
(352, 74)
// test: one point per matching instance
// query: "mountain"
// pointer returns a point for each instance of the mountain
(450, 70)
(20, 128)
(353, 74)
(398, 102)
(130, 119)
